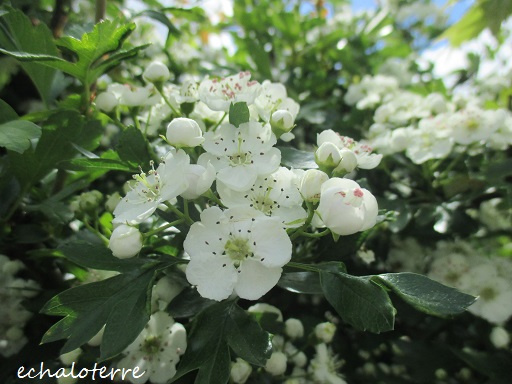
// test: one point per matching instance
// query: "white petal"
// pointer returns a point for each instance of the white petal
(214, 276)
(273, 246)
(202, 239)
(128, 212)
(239, 178)
(267, 162)
(255, 279)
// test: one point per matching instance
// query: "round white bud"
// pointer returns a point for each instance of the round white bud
(156, 72)
(294, 328)
(184, 132)
(500, 337)
(325, 331)
(310, 184)
(276, 365)
(106, 101)
(240, 371)
(70, 357)
(282, 121)
(125, 241)
(327, 156)
(347, 163)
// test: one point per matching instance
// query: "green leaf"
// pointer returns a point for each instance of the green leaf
(359, 302)
(89, 51)
(87, 308)
(17, 135)
(97, 256)
(291, 157)
(60, 132)
(217, 327)
(133, 147)
(301, 282)
(426, 295)
(18, 34)
(188, 303)
(6, 112)
(81, 164)
(238, 113)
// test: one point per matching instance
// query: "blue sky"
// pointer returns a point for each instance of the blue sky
(456, 10)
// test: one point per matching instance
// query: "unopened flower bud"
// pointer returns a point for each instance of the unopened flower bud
(89, 201)
(327, 156)
(347, 163)
(106, 101)
(240, 371)
(70, 357)
(325, 331)
(184, 132)
(200, 179)
(156, 72)
(500, 337)
(281, 122)
(112, 201)
(294, 328)
(311, 184)
(276, 365)
(125, 241)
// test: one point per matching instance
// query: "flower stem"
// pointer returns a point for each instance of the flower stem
(162, 228)
(180, 214)
(174, 110)
(220, 121)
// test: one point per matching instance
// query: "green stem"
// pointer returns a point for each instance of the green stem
(93, 230)
(174, 110)
(211, 195)
(220, 121)
(318, 234)
(301, 229)
(180, 214)
(162, 228)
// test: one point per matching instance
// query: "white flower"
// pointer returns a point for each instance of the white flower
(125, 241)
(156, 351)
(152, 189)
(282, 122)
(325, 331)
(327, 156)
(311, 184)
(156, 72)
(275, 195)
(346, 208)
(200, 179)
(134, 96)
(184, 132)
(276, 365)
(241, 154)
(106, 101)
(219, 94)
(240, 371)
(472, 125)
(236, 251)
(70, 357)
(426, 144)
(324, 367)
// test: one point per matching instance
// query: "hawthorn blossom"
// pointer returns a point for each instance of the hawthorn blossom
(154, 188)
(157, 350)
(219, 94)
(362, 151)
(346, 208)
(324, 367)
(275, 195)
(241, 154)
(236, 251)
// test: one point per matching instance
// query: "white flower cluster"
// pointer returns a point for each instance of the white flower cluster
(157, 350)
(13, 315)
(427, 127)
(241, 244)
(323, 368)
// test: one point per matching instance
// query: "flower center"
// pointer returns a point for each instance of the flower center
(264, 204)
(353, 197)
(149, 185)
(151, 345)
(473, 125)
(237, 249)
(487, 294)
(239, 158)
